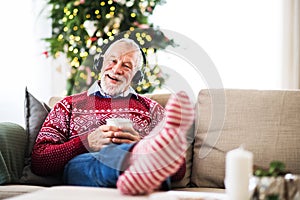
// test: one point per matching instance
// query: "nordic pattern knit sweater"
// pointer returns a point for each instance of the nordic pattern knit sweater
(64, 132)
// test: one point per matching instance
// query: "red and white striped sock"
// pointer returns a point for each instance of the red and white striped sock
(159, 155)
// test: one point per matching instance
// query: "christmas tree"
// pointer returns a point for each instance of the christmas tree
(80, 28)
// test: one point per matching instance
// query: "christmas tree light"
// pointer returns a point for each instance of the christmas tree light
(80, 28)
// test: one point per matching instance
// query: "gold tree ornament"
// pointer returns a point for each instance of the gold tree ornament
(80, 28)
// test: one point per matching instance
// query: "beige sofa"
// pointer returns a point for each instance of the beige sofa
(267, 123)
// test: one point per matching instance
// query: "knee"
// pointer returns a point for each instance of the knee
(78, 162)
(77, 170)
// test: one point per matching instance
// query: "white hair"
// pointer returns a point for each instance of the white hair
(131, 44)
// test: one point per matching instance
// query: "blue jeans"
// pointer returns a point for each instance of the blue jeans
(99, 169)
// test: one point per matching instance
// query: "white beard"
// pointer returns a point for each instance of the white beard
(113, 90)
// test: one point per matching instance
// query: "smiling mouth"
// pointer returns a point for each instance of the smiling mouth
(112, 78)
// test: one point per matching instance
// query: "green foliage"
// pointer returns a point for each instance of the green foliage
(275, 169)
(81, 27)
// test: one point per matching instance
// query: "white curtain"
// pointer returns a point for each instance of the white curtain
(291, 44)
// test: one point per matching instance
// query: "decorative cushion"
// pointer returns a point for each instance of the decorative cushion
(35, 115)
(13, 142)
(266, 122)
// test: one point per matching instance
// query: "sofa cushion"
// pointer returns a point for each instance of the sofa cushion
(12, 148)
(186, 180)
(95, 193)
(162, 99)
(35, 115)
(267, 123)
(8, 191)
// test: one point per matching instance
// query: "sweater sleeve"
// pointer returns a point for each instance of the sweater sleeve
(157, 113)
(54, 147)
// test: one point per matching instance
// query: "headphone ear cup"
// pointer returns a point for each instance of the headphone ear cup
(98, 61)
(137, 77)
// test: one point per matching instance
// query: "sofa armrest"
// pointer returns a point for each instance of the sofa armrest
(13, 142)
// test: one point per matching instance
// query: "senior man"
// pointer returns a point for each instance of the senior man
(75, 139)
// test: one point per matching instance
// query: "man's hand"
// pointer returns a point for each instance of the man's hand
(104, 134)
(100, 137)
(125, 135)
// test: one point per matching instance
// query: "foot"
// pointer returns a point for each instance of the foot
(159, 155)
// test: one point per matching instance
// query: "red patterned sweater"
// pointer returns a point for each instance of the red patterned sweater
(64, 132)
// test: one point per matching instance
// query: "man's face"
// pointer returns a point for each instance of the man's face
(119, 67)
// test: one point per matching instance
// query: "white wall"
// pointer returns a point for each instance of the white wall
(23, 63)
(242, 37)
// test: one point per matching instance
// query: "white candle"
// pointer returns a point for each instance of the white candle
(238, 172)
